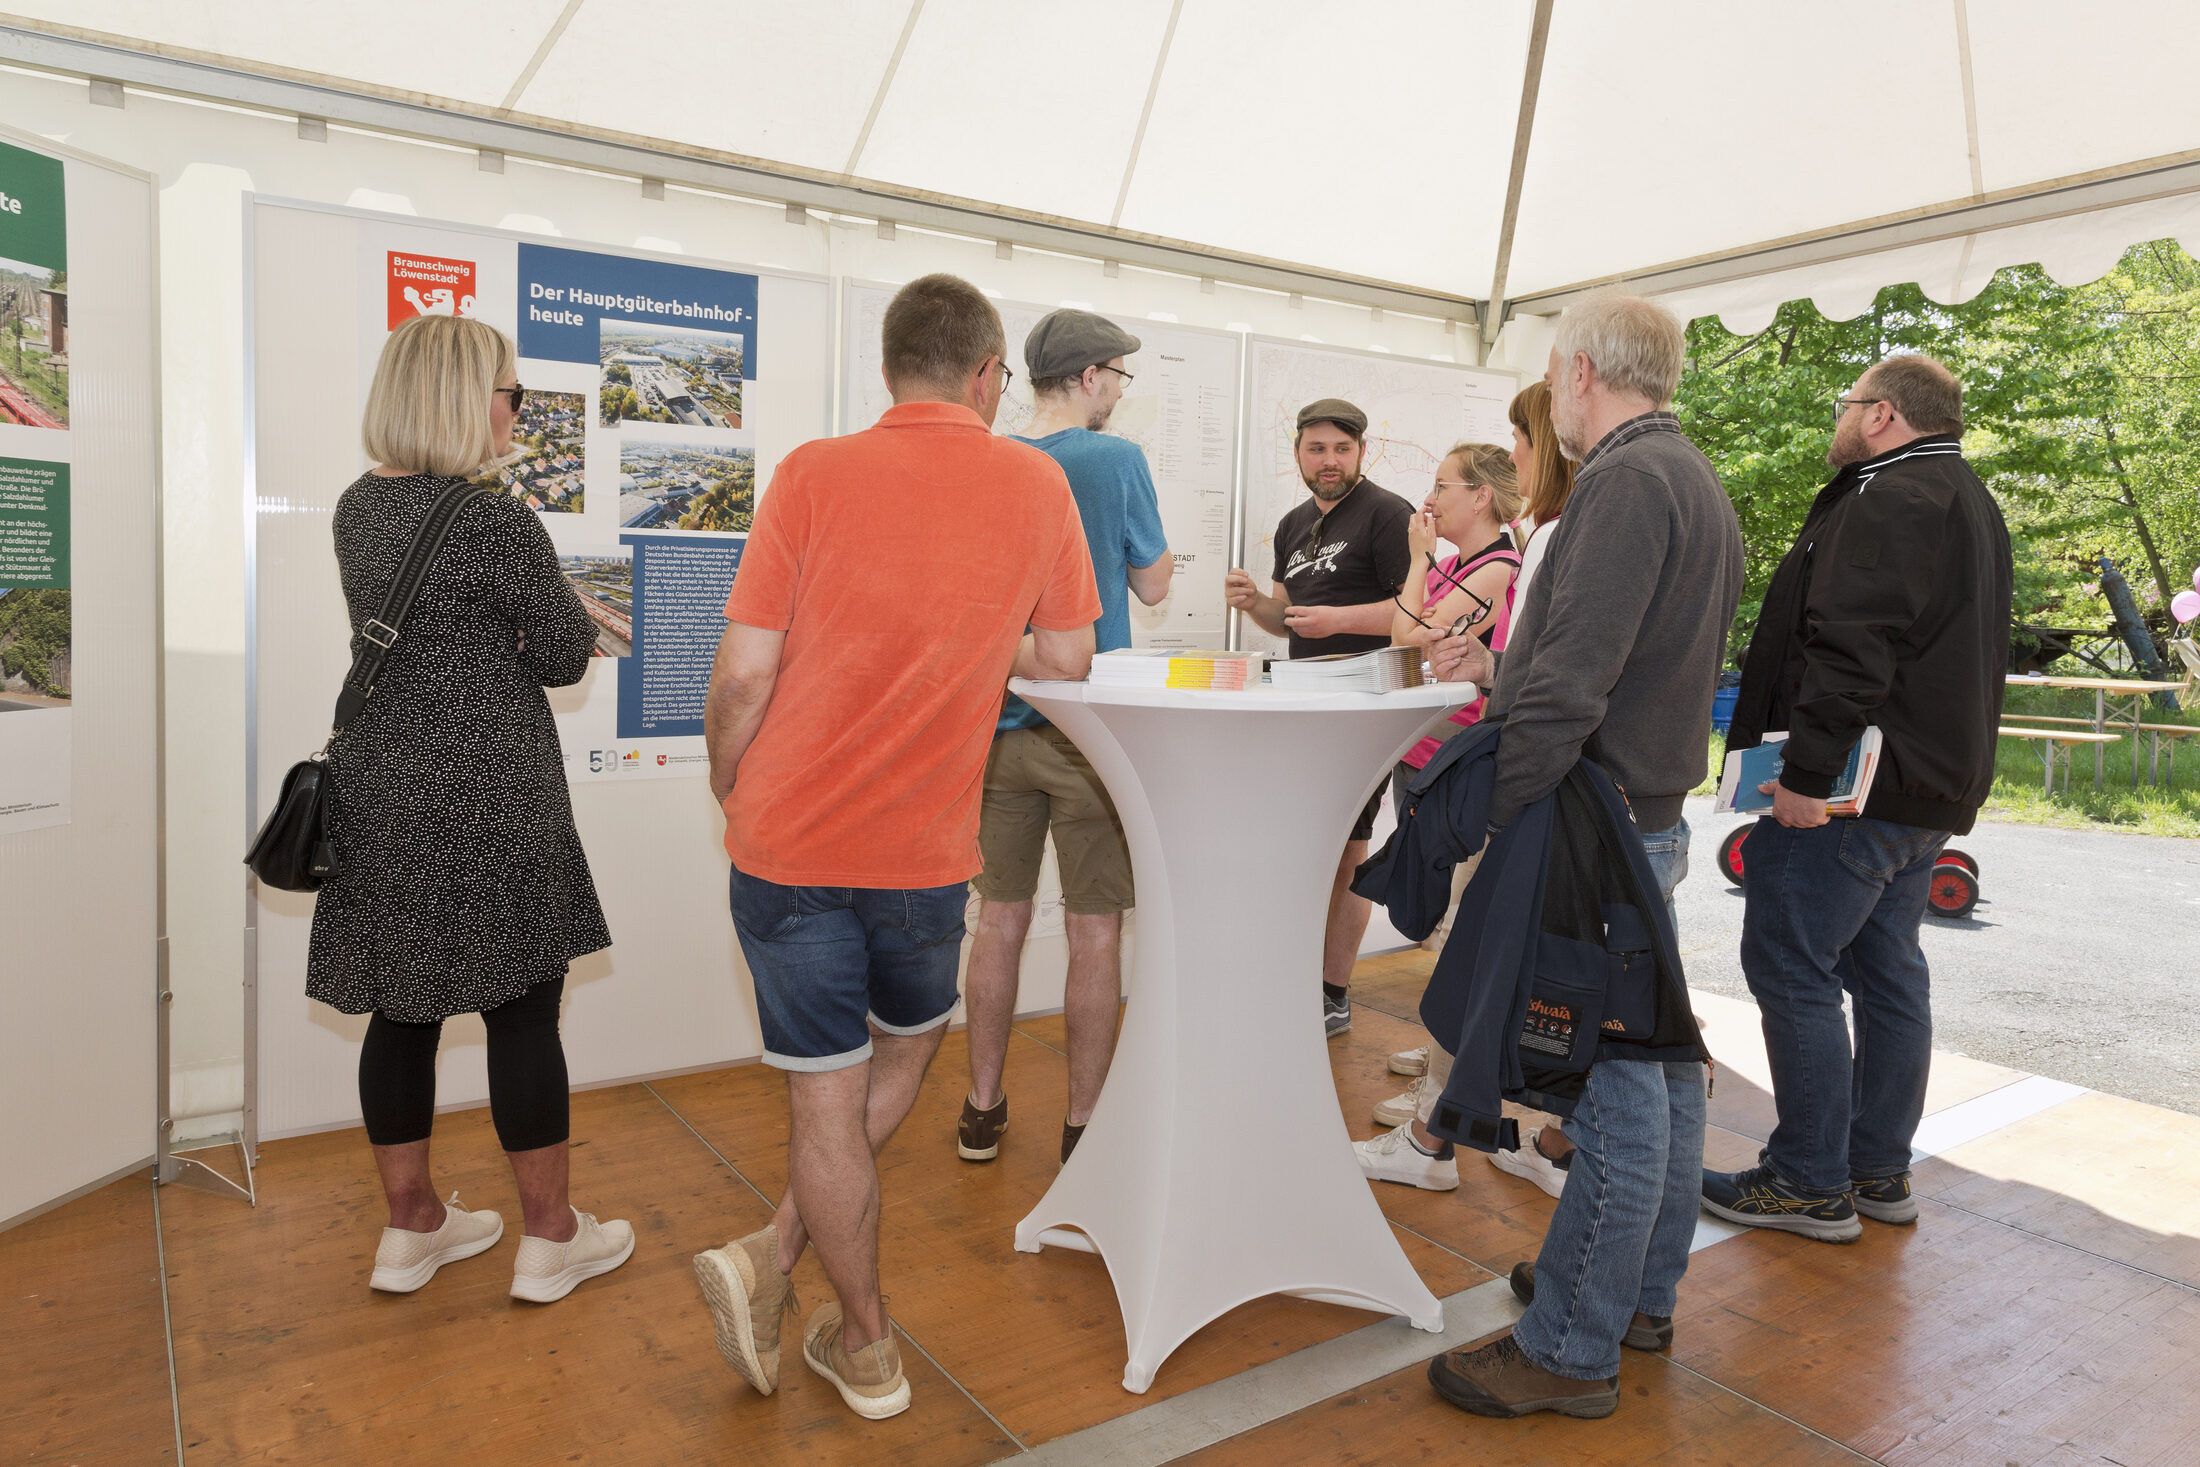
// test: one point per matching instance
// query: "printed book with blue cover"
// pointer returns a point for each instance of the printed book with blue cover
(1746, 769)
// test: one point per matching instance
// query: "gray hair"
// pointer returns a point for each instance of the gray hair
(1635, 344)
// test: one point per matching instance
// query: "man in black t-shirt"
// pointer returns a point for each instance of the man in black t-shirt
(1340, 559)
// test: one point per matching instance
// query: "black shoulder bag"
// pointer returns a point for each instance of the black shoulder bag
(292, 850)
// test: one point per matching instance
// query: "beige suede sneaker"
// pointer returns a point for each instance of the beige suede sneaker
(545, 1272)
(405, 1260)
(870, 1380)
(748, 1296)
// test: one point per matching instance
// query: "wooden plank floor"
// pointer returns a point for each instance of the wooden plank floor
(83, 1351)
(2043, 1313)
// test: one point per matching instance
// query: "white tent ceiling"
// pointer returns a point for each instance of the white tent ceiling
(1829, 144)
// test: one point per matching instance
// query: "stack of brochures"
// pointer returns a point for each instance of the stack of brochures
(1156, 667)
(1384, 670)
(1748, 768)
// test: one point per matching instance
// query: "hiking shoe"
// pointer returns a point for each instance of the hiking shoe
(1401, 1108)
(1336, 1015)
(748, 1296)
(1392, 1157)
(545, 1272)
(1071, 1135)
(870, 1380)
(1651, 1332)
(978, 1133)
(1410, 1061)
(1761, 1198)
(1885, 1199)
(404, 1260)
(1500, 1380)
(1530, 1162)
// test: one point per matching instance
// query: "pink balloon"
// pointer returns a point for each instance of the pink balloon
(2196, 580)
(2185, 605)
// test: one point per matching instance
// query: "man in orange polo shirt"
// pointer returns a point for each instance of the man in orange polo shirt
(881, 606)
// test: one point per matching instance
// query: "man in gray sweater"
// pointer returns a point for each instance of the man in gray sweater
(1614, 655)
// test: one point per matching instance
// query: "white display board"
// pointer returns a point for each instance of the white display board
(1416, 410)
(671, 993)
(1181, 410)
(80, 871)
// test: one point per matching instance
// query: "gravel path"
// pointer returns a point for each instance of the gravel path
(2078, 963)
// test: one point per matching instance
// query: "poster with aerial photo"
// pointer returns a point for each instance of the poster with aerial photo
(669, 374)
(604, 580)
(549, 471)
(37, 607)
(685, 486)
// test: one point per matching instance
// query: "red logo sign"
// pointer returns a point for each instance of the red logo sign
(660, 760)
(423, 285)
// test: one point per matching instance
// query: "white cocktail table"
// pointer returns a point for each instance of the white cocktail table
(1217, 1167)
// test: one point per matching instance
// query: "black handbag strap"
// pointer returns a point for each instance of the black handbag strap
(382, 629)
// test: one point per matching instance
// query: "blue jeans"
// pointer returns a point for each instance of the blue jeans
(1829, 910)
(831, 961)
(1619, 1241)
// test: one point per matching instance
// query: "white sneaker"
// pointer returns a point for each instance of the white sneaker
(545, 1271)
(1530, 1162)
(405, 1260)
(1392, 1157)
(1401, 1108)
(1410, 1061)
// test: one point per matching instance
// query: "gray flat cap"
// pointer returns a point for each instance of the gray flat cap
(1335, 410)
(1066, 342)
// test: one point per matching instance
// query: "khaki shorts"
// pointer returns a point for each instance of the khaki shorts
(1035, 778)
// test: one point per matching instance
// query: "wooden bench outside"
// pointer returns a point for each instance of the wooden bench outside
(2054, 743)
(2046, 718)
(2158, 734)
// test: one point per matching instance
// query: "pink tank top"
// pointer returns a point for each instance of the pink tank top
(1460, 568)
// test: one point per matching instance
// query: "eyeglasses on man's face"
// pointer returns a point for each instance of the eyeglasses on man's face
(1841, 406)
(1128, 379)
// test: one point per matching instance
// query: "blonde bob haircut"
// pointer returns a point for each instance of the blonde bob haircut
(428, 410)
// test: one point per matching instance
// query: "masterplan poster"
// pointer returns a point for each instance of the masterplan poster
(634, 447)
(37, 673)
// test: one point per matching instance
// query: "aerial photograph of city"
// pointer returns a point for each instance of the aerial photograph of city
(670, 374)
(685, 486)
(547, 475)
(605, 584)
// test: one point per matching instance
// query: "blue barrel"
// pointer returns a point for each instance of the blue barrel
(1722, 708)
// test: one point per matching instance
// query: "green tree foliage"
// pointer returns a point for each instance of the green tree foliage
(34, 629)
(2081, 405)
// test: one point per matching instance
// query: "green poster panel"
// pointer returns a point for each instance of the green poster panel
(34, 228)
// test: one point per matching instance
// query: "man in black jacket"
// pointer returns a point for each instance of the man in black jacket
(1891, 610)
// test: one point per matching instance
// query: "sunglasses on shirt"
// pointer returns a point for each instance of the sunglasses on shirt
(1465, 623)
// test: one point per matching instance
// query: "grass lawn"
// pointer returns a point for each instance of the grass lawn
(2171, 808)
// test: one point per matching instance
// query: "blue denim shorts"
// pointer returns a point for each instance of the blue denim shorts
(830, 961)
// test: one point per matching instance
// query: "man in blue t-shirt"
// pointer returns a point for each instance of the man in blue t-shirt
(1035, 778)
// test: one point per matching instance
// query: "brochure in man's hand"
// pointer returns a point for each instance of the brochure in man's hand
(1746, 769)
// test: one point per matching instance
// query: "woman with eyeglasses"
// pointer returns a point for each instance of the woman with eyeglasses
(460, 884)
(1474, 498)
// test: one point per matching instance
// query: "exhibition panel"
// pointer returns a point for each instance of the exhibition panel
(80, 793)
(660, 395)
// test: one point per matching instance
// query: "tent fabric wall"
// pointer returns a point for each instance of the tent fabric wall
(1363, 143)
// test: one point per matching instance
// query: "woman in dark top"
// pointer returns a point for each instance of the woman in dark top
(461, 886)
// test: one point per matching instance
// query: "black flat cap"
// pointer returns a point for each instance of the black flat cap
(1335, 410)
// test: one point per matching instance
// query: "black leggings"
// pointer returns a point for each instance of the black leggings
(528, 1096)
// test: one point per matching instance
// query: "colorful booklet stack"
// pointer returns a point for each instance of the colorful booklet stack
(1746, 769)
(1156, 667)
(1384, 670)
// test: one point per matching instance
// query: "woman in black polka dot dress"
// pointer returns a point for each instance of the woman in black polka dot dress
(460, 883)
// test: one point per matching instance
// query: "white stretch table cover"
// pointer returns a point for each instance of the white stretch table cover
(1217, 1167)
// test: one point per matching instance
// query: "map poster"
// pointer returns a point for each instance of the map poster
(37, 676)
(1416, 412)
